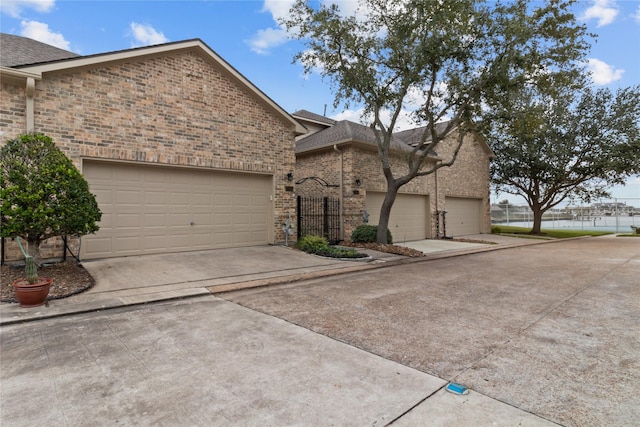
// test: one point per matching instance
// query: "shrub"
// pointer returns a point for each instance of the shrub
(320, 246)
(312, 244)
(366, 233)
(42, 194)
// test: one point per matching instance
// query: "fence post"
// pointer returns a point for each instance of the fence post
(325, 217)
(298, 207)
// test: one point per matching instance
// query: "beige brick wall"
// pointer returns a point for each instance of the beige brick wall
(468, 177)
(176, 109)
(12, 111)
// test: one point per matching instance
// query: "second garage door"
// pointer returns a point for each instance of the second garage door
(149, 209)
(463, 216)
(409, 215)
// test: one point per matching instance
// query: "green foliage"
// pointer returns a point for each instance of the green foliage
(447, 59)
(42, 194)
(559, 143)
(320, 246)
(366, 233)
(311, 243)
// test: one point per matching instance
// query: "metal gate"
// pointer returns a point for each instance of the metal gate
(319, 216)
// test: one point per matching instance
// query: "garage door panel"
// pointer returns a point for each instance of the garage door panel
(154, 220)
(409, 218)
(127, 197)
(150, 209)
(463, 216)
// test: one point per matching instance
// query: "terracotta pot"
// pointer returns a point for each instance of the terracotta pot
(32, 295)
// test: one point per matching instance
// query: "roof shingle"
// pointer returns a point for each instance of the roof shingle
(16, 51)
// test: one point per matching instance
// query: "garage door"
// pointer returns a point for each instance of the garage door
(409, 215)
(148, 209)
(463, 216)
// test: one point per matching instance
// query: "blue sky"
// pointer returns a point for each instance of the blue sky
(246, 34)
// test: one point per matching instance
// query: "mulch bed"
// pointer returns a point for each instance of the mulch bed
(69, 278)
(390, 249)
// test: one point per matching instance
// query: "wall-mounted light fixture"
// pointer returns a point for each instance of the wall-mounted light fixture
(358, 182)
(290, 176)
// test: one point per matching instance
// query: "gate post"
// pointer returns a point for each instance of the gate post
(299, 216)
(325, 215)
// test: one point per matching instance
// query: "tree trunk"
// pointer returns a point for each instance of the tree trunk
(385, 213)
(537, 219)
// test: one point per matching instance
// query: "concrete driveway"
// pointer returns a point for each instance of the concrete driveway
(541, 334)
(550, 329)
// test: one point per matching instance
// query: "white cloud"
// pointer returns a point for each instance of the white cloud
(603, 73)
(39, 31)
(605, 11)
(14, 8)
(145, 35)
(636, 16)
(279, 9)
(266, 39)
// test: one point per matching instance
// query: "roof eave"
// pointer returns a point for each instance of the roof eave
(15, 76)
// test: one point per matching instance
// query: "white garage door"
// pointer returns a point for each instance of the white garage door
(463, 216)
(409, 215)
(153, 209)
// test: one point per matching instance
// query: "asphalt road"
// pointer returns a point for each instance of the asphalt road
(551, 329)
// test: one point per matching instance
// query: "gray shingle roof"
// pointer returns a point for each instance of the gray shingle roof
(347, 131)
(304, 114)
(17, 50)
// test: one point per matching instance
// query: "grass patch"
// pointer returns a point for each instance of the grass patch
(547, 233)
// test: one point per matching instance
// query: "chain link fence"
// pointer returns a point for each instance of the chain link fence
(616, 215)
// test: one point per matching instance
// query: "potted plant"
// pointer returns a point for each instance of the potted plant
(32, 290)
(42, 195)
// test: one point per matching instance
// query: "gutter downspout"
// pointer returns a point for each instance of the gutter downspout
(30, 90)
(335, 148)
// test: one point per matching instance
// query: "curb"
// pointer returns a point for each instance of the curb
(106, 303)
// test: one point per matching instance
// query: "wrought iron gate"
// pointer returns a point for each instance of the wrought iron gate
(319, 216)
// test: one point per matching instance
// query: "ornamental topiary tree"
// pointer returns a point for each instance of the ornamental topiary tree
(42, 194)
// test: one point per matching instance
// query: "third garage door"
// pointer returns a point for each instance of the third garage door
(409, 215)
(463, 216)
(156, 209)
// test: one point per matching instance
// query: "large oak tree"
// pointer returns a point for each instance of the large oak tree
(556, 143)
(452, 55)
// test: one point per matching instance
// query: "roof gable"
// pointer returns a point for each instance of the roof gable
(193, 45)
(346, 131)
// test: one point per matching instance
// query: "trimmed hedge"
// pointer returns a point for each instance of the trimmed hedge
(366, 233)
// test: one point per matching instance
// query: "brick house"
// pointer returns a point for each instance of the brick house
(343, 154)
(182, 151)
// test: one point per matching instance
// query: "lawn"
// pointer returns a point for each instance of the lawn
(548, 233)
